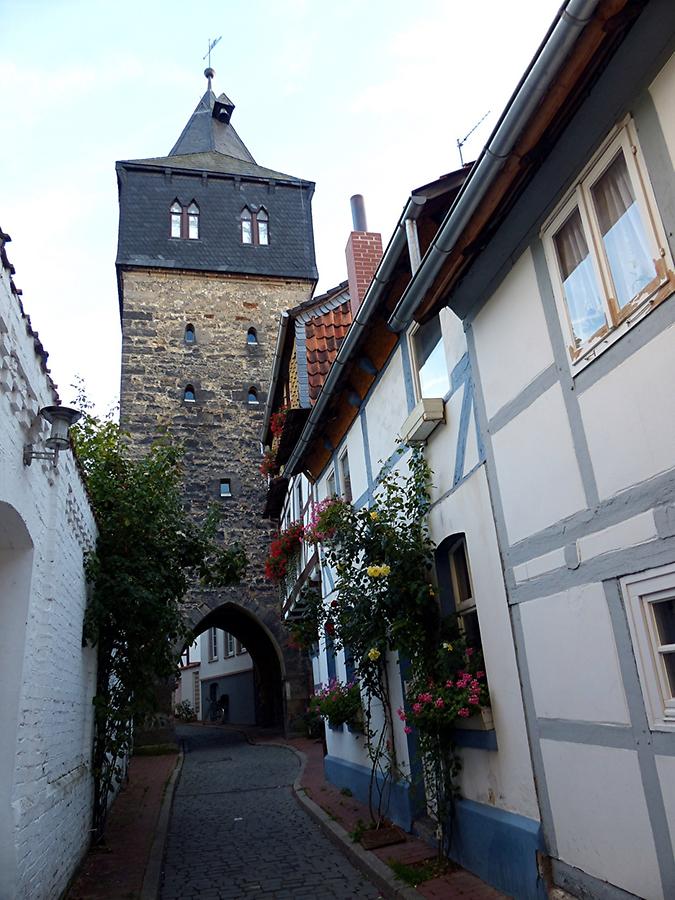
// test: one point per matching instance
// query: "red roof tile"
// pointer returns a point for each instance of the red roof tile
(323, 336)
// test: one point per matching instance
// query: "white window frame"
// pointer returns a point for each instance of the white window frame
(619, 319)
(331, 480)
(640, 592)
(229, 644)
(419, 394)
(342, 459)
(213, 644)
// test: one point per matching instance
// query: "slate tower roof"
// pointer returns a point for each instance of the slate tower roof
(210, 166)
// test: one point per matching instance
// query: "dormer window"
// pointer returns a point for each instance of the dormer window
(254, 227)
(184, 220)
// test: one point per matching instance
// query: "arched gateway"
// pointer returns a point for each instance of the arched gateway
(183, 272)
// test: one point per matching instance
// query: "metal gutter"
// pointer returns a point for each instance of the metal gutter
(381, 280)
(528, 95)
(284, 319)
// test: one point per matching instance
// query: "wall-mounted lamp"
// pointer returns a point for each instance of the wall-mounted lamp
(60, 418)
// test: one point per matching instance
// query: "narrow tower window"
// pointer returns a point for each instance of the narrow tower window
(262, 221)
(252, 336)
(190, 334)
(252, 396)
(193, 221)
(189, 393)
(225, 487)
(176, 219)
(246, 226)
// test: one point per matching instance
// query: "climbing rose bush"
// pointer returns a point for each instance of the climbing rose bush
(325, 519)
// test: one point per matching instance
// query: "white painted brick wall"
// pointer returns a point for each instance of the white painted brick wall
(45, 802)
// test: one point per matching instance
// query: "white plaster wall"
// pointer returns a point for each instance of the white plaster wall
(537, 469)
(223, 665)
(662, 91)
(454, 339)
(47, 778)
(512, 342)
(629, 417)
(442, 446)
(386, 412)
(572, 657)
(665, 766)
(612, 840)
(503, 778)
(471, 457)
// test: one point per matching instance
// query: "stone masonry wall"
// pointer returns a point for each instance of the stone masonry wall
(220, 430)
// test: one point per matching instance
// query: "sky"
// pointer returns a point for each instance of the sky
(359, 96)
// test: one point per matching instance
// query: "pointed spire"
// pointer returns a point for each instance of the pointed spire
(209, 127)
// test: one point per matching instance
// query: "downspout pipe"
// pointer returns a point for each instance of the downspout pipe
(528, 95)
(284, 319)
(380, 282)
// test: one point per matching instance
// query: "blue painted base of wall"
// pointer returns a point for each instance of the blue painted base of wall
(401, 807)
(500, 847)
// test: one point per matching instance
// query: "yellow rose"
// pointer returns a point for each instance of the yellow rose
(384, 570)
(374, 516)
(373, 654)
(447, 646)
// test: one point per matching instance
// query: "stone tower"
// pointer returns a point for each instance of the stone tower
(212, 247)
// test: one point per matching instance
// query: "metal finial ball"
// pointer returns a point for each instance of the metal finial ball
(209, 73)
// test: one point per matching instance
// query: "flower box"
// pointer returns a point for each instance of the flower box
(480, 721)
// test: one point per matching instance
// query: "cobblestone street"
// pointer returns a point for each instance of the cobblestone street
(236, 830)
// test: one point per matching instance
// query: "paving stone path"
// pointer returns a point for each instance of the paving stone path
(236, 830)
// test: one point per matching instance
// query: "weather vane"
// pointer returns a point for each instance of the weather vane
(466, 137)
(212, 44)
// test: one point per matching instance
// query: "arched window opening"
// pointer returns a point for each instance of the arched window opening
(176, 219)
(246, 226)
(262, 221)
(252, 336)
(190, 335)
(252, 396)
(189, 394)
(193, 221)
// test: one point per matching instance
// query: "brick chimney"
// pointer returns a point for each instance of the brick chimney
(363, 252)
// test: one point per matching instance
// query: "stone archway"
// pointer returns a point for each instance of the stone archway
(16, 566)
(280, 671)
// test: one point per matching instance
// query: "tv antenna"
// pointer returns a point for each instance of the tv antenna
(212, 44)
(466, 137)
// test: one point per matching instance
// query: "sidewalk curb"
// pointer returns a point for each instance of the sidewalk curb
(153, 870)
(371, 866)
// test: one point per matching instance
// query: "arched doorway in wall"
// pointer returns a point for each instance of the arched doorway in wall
(16, 566)
(269, 670)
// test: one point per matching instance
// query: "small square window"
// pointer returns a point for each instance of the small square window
(650, 608)
(225, 487)
(429, 360)
(606, 250)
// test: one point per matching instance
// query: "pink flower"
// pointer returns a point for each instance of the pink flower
(440, 703)
(469, 651)
(474, 700)
(425, 698)
(448, 683)
(463, 712)
(480, 674)
(401, 714)
(407, 729)
(475, 686)
(417, 708)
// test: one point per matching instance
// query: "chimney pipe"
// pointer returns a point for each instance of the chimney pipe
(358, 213)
